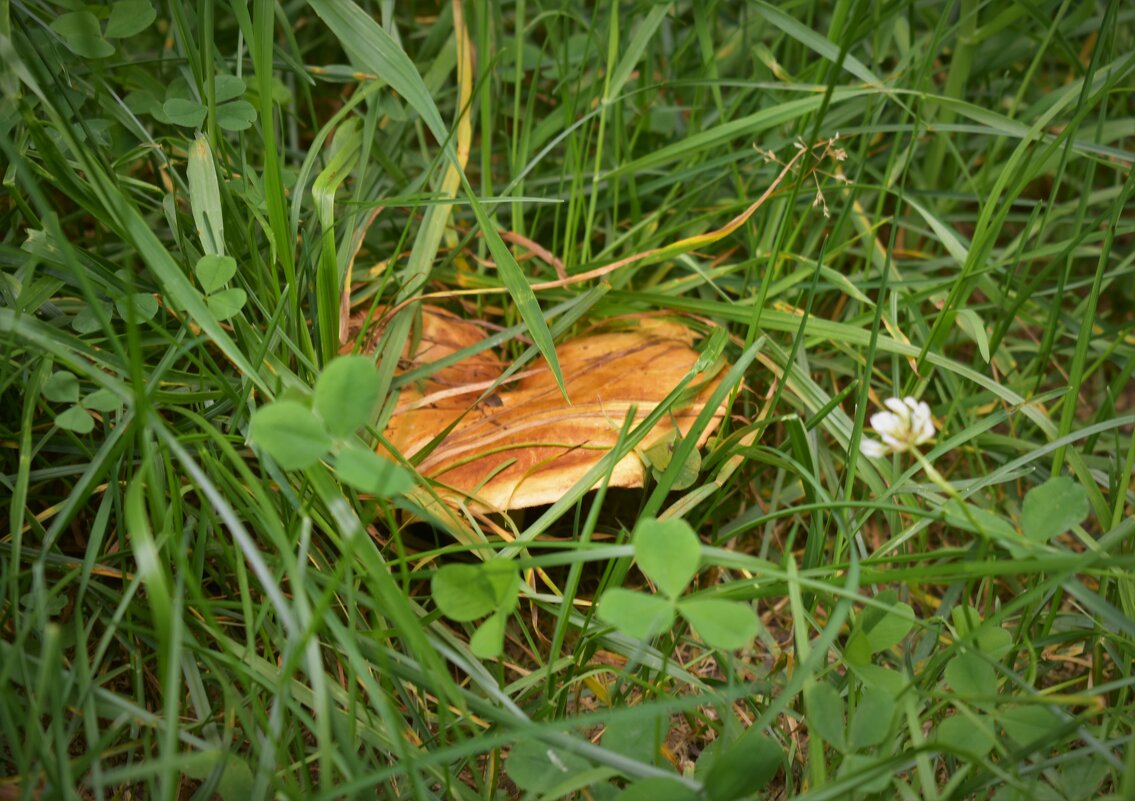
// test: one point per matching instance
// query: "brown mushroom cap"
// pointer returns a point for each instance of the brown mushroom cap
(525, 445)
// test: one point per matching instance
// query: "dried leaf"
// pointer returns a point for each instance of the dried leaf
(525, 446)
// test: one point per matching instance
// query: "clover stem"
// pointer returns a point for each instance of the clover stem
(933, 474)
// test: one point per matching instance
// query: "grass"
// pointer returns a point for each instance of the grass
(183, 619)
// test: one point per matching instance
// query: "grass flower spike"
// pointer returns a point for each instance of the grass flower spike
(907, 425)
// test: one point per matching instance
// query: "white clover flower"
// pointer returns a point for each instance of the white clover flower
(907, 425)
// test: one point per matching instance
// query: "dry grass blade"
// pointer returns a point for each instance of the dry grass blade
(672, 249)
